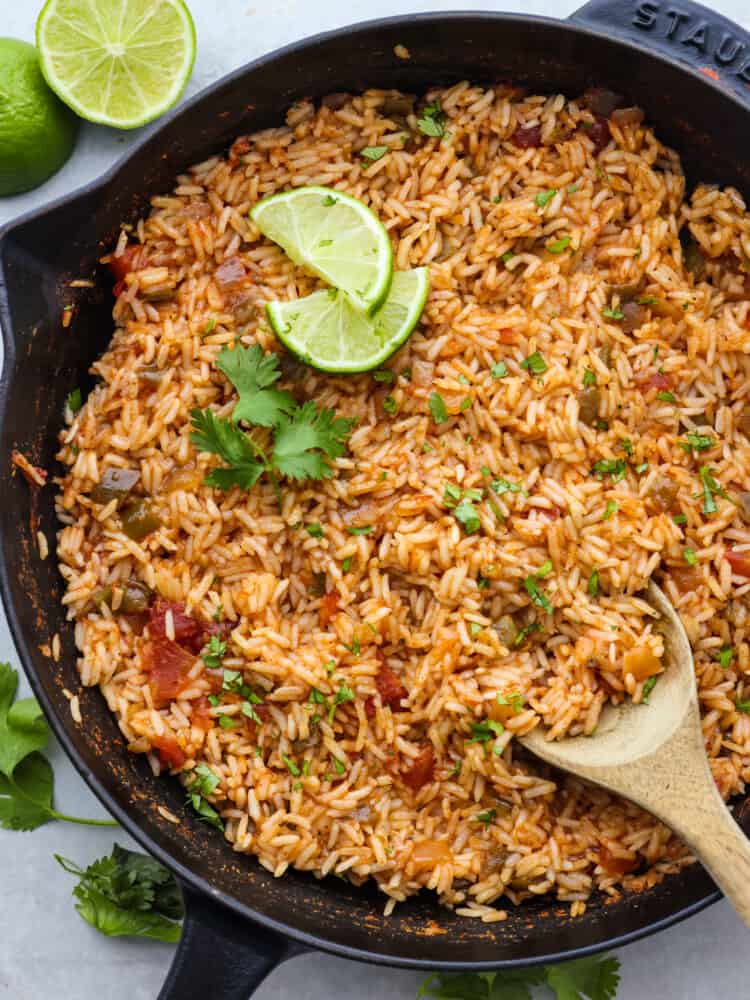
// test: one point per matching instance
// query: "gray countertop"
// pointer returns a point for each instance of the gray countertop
(45, 949)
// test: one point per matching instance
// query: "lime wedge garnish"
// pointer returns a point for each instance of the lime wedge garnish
(334, 236)
(116, 62)
(326, 331)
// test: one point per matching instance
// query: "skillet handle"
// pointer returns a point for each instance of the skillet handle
(221, 955)
(683, 31)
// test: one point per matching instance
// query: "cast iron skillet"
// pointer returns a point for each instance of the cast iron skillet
(690, 69)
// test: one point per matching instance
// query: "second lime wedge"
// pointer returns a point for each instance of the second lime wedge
(334, 236)
(326, 331)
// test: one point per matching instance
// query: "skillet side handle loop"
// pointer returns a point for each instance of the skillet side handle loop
(220, 955)
(684, 31)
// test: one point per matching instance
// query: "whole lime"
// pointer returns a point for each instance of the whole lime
(37, 131)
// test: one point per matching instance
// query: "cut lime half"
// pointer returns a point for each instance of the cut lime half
(334, 236)
(116, 62)
(326, 331)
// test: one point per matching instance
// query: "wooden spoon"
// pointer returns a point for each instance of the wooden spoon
(654, 755)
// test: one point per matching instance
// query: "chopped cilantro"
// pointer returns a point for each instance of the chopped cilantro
(466, 515)
(648, 687)
(291, 766)
(74, 400)
(610, 510)
(589, 378)
(543, 199)
(697, 442)
(615, 467)
(486, 730)
(559, 246)
(710, 489)
(725, 656)
(214, 652)
(432, 122)
(373, 153)
(437, 408)
(499, 370)
(486, 817)
(535, 363)
(690, 557)
(593, 584)
(525, 632)
(314, 530)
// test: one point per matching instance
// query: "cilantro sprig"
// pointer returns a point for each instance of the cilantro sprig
(304, 437)
(128, 893)
(593, 978)
(26, 778)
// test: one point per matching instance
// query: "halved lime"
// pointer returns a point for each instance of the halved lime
(326, 331)
(334, 236)
(116, 62)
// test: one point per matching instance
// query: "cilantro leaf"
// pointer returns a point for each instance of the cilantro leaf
(615, 467)
(596, 978)
(128, 893)
(710, 489)
(252, 373)
(221, 437)
(373, 153)
(23, 728)
(432, 122)
(26, 779)
(305, 438)
(535, 363)
(515, 984)
(466, 515)
(438, 408)
(696, 442)
(537, 595)
(26, 800)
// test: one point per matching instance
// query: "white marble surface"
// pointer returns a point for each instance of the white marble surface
(45, 949)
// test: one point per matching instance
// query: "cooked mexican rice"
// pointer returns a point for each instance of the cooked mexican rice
(338, 674)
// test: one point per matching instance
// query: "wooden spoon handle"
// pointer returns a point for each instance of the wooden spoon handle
(707, 826)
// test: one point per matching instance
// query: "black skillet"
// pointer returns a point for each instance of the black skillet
(690, 68)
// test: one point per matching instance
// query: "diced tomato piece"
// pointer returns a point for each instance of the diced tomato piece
(370, 707)
(188, 631)
(168, 664)
(614, 865)
(527, 137)
(171, 753)
(421, 770)
(125, 263)
(201, 715)
(390, 688)
(329, 605)
(507, 335)
(739, 561)
(599, 133)
(655, 380)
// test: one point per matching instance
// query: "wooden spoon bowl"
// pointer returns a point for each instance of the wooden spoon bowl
(655, 756)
